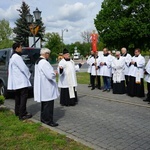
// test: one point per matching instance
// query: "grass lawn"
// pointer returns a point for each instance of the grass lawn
(26, 135)
(83, 78)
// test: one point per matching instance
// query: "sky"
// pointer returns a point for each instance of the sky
(57, 15)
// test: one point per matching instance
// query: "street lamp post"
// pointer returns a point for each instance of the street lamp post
(33, 25)
(62, 34)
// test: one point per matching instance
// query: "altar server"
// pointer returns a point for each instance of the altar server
(136, 74)
(118, 66)
(105, 69)
(127, 58)
(95, 71)
(147, 79)
(45, 87)
(18, 80)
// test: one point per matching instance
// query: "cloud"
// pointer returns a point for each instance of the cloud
(11, 13)
(73, 12)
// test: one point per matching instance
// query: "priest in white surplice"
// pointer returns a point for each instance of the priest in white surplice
(67, 80)
(147, 79)
(45, 87)
(136, 74)
(118, 66)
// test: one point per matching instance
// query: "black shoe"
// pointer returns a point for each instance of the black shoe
(53, 124)
(99, 88)
(89, 86)
(149, 103)
(145, 100)
(27, 116)
(92, 88)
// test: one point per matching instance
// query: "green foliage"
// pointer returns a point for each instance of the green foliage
(2, 99)
(22, 30)
(53, 42)
(83, 48)
(124, 23)
(5, 33)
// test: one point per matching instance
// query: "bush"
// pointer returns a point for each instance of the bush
(2, 99)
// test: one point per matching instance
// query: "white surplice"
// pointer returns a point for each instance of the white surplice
(18, 73)
(67, 79)
(118, 66)
(45, 86)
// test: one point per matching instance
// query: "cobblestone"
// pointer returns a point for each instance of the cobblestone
(104, 120)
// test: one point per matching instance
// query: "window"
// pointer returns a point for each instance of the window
(2, 57)
(30, 55)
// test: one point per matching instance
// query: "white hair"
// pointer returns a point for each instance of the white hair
(44, 50)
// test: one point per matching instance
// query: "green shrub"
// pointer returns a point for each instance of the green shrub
(2, 99)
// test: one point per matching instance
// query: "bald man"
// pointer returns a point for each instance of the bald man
(127, 58)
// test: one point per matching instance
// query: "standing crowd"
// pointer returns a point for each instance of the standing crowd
(122, 73)
(45, 87)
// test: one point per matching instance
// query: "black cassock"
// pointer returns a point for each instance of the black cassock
(65, 99)
(119, 88)
(135, 89)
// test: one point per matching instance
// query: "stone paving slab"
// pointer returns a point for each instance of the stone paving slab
(101, 120)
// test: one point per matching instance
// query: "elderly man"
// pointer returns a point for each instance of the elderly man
(136, 74)
(118, 65)
(127, 58)
(18, 80)
(67, 80)
(45, 87)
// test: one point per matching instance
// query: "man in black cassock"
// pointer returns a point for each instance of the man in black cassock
(67, 80)
(118, 66)
(136, 74)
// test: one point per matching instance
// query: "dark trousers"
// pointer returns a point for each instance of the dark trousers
(47, 112)
(127, 80)
(98, 81)
(90, 79)
(21, 96)
(148, 94)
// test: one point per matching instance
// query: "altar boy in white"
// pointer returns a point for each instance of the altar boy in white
(18, 80)
(67, 80)
(45, 87)
(147, 79)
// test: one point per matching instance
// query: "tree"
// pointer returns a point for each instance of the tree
(5, 33)
(53, 42)
(124, 23)
(86, 36)
(22, 30)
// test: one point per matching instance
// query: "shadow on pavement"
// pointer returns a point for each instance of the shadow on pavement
(34, 108)
(59, 113)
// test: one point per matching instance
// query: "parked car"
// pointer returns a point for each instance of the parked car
(29, 55)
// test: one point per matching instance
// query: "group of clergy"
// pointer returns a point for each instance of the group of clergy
(45, 85)
(122, 73)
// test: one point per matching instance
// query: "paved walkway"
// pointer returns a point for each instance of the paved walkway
(102, 120)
